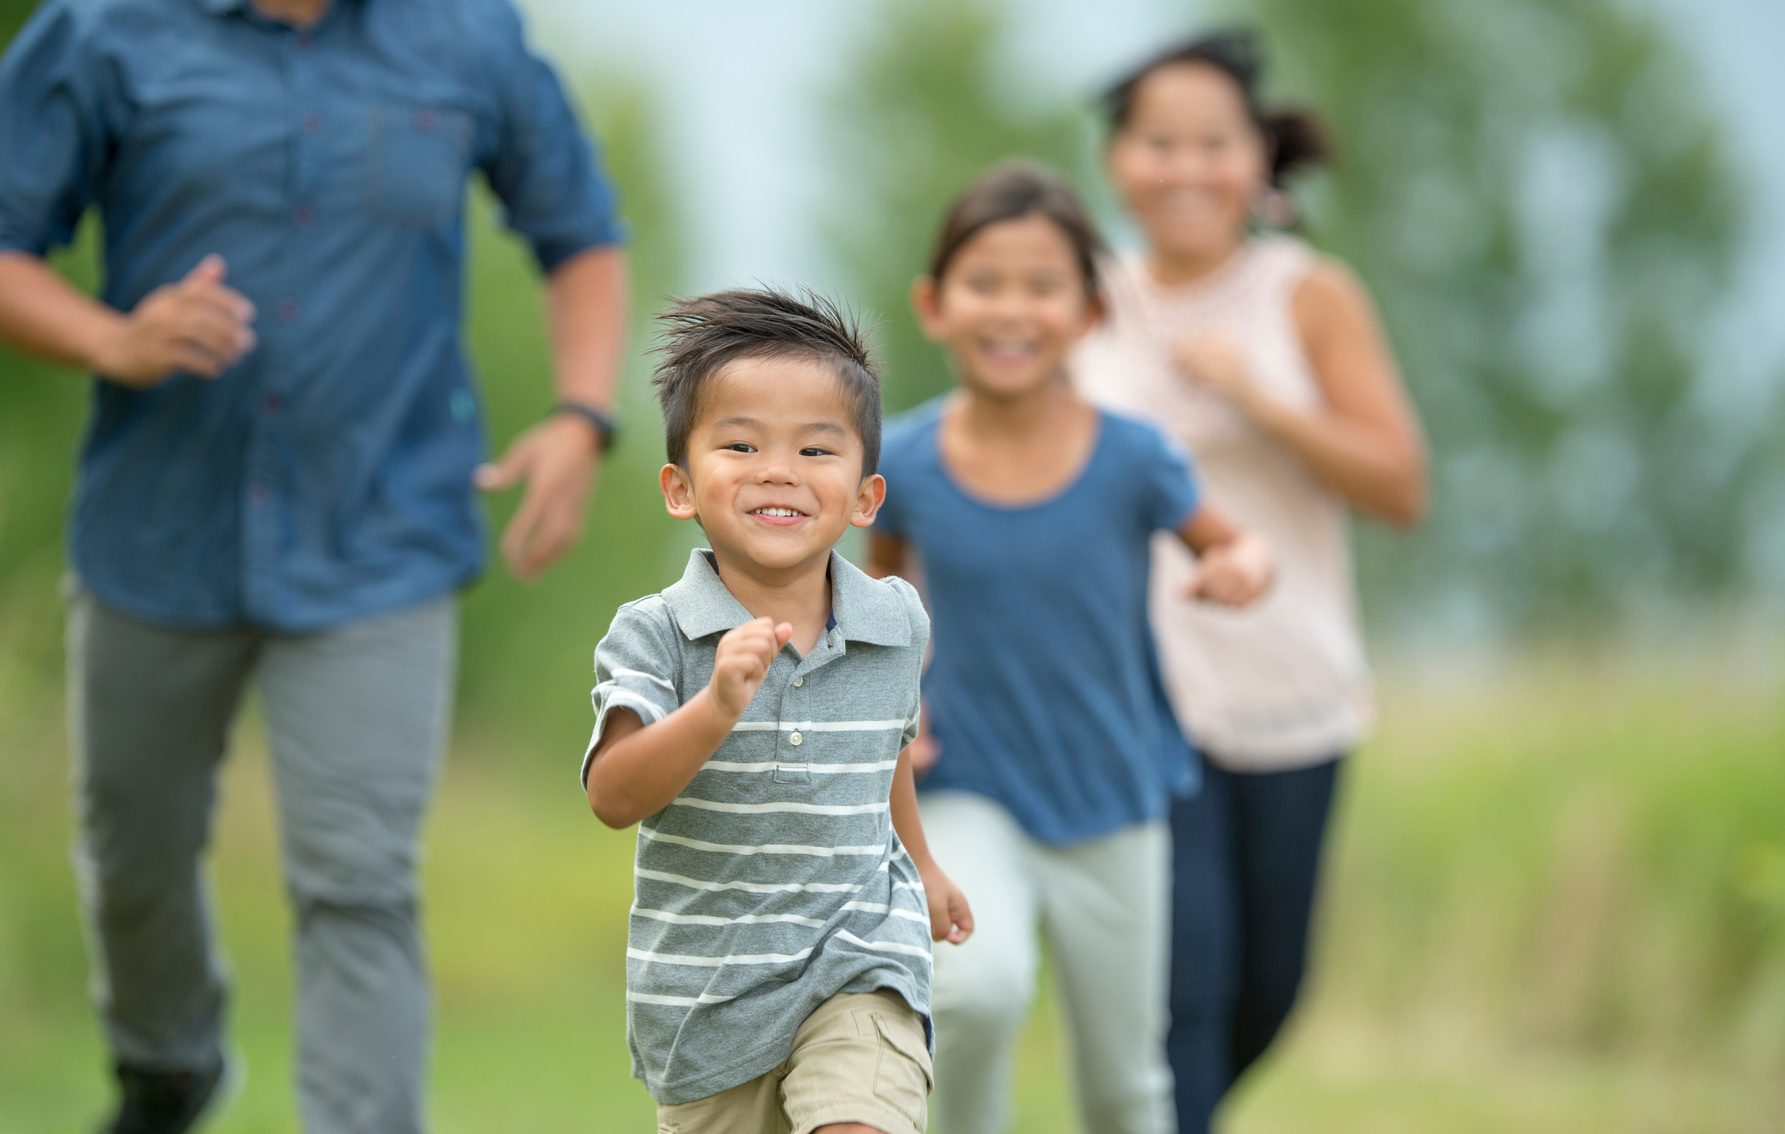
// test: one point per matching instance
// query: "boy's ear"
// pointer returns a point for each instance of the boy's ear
(868, 499)
(923, 304)
(678, 491)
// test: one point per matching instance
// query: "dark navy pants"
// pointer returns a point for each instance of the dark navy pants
(1246, 856)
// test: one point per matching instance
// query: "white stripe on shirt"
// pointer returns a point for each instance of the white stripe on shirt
(676, 1001)
(816, 726)
(745, 919)
(716, 962)
(796, 808)
(753, 887)
(883, 946)
(777, 919)
(815, 769)
(621, 671)
(890, 911)
(762, 848)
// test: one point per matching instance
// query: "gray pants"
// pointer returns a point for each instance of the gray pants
(356, 717)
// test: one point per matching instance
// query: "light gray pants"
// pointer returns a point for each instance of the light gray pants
(1105, 906)
(356, 717)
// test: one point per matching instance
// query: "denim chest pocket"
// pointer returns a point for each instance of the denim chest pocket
(417, 164)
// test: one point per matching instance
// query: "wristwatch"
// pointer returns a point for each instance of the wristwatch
(606, 422)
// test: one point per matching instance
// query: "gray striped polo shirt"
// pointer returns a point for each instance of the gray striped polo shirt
(775, 880)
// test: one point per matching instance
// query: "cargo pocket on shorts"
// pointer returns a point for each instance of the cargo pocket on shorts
(902, 1073)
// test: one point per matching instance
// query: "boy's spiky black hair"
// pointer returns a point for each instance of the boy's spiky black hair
(702, 335)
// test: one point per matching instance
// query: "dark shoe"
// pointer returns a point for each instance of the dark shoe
(165, 1102)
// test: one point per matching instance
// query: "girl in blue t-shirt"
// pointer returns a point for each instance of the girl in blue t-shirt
(1053, 754)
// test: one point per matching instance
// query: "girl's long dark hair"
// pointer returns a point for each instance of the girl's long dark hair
(1297, 137)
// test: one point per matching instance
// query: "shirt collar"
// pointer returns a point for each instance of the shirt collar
(862, 609)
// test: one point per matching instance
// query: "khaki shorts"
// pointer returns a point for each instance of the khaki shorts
(858, 1058)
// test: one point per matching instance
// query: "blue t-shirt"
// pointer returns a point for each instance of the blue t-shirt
(1044, 687)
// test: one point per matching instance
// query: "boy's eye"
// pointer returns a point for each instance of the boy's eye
(741, 447)
(814, 451)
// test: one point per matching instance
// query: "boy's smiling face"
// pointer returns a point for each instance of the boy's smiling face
(774, 465)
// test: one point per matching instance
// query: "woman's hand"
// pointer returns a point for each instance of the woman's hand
(1214, 363)
(951, 919)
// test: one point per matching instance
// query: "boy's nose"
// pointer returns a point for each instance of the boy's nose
(777, 472)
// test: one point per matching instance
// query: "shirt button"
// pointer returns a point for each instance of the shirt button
(302, 214)
(798, 681)
(259, 493)
(288, 309)
(424, 121)
(272, 403)
(795, 739)
(303, 41)
(312, 123)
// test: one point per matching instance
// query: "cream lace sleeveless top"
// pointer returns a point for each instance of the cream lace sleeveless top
(1283, 683)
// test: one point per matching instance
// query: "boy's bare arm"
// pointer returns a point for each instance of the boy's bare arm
(951, 918)
(639, 769)
(1234, 566)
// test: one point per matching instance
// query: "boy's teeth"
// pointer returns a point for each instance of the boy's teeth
(776, 512)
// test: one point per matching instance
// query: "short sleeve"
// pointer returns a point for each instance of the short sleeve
(547, 172)
(635, 668)
(53, 138)
(1173, 492)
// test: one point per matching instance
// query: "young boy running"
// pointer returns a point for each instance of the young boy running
(752, 719)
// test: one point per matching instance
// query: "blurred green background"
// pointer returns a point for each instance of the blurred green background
(1557, 896)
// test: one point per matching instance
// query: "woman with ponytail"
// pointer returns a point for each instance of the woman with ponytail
(1266, 358)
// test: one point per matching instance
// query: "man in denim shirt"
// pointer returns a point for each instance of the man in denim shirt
(277, 478)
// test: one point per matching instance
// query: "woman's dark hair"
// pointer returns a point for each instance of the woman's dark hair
(1297, 137)
(702, 335)
(1012, 190)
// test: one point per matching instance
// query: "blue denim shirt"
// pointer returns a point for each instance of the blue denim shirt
(328, 475)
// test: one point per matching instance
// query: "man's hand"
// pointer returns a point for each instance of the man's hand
(197, 326)
(951, 919)
(1233, 573)
(742, 664)
(558, 458)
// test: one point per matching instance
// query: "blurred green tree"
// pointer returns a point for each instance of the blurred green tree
(922, 110)
(1545, 209)
(1543, 206)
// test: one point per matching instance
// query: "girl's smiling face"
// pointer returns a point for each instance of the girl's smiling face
(1009, 306)
(1189, 161)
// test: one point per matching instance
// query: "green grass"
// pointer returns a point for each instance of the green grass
(1557, 904)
